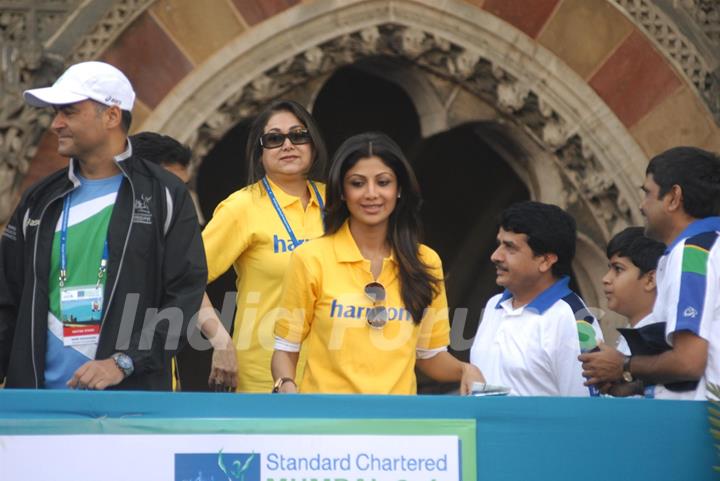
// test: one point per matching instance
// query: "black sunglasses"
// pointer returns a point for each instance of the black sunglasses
(273, 140)
(377, 316)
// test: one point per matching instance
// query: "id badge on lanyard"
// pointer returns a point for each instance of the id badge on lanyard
(80, 306)
(81, 314)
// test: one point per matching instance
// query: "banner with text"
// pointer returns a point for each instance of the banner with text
(243, 449)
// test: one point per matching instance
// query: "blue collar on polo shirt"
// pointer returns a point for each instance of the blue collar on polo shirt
(708, 224)
(546, 298)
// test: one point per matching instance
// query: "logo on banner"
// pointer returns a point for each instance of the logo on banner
(216, 467)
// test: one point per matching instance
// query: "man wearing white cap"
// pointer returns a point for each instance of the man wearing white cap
(102, 264)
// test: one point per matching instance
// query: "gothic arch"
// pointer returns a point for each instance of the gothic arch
(468, 47)
(462, 61)
(665, 51)
(569, 137)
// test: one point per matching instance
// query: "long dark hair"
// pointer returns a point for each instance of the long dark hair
(254, 150)
(417, 285)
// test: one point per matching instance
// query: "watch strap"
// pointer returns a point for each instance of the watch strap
(627, 374)
(124, 363)
(280, 382)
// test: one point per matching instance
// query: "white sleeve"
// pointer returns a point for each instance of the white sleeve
(486, 328)
(567, 370)
(622, 345)
(599, 337)
(685, 299)
(428, 353)
(285, 345)
(710, 317)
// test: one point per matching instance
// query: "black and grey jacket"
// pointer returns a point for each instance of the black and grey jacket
(156, 270)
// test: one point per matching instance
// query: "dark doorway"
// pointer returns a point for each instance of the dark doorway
(224, 169)
(353, 101)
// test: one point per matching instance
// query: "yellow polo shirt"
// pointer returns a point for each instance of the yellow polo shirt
(324, 307)
(246, 233)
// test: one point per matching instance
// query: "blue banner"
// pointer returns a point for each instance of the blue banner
(515, 438)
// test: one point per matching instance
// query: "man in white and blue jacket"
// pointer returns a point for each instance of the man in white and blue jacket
(681, 205)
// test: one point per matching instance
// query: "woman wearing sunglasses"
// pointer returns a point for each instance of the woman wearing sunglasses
(256, 228)
(367, 300)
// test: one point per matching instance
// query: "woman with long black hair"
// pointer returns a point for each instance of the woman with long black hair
(367, 301)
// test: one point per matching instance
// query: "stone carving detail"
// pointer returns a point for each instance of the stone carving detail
(23, 64)
(24, 26)
(707, 14)
(659, 27)
(554, 133)
(592, 184)
(511, 95)
(108, 29)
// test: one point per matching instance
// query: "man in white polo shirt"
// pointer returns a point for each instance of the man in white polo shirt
(528, 338)
(681, 207)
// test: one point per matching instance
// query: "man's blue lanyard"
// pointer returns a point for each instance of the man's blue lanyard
(281, 214)
(63, 247)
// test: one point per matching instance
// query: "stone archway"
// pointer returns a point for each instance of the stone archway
(569, 146)
(470, 49)
(653, 63)
(476, 67)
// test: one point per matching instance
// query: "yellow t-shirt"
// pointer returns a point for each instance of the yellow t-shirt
(324, 307)
(246, 232)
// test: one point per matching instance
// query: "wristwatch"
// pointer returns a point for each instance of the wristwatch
(124, 363)
(627, 375)
(281, 381)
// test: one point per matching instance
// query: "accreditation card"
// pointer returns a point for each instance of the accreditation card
(81, 314)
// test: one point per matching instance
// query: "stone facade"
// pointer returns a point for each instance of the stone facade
(583, 91)
(37, 39)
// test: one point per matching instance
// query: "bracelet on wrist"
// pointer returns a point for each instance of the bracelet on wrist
(278, 384)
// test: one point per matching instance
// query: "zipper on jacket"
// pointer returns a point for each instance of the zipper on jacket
(32, 310)
(37, 234)
(122, 257)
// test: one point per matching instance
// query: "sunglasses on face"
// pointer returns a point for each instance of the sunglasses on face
(273, 140)
(377, 316)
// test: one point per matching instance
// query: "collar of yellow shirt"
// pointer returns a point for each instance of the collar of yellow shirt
(285, 199)
(346, 250)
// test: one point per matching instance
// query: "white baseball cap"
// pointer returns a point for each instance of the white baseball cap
(98, 81)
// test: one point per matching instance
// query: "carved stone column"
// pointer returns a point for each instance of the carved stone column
(38, 39)
(24, 26)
